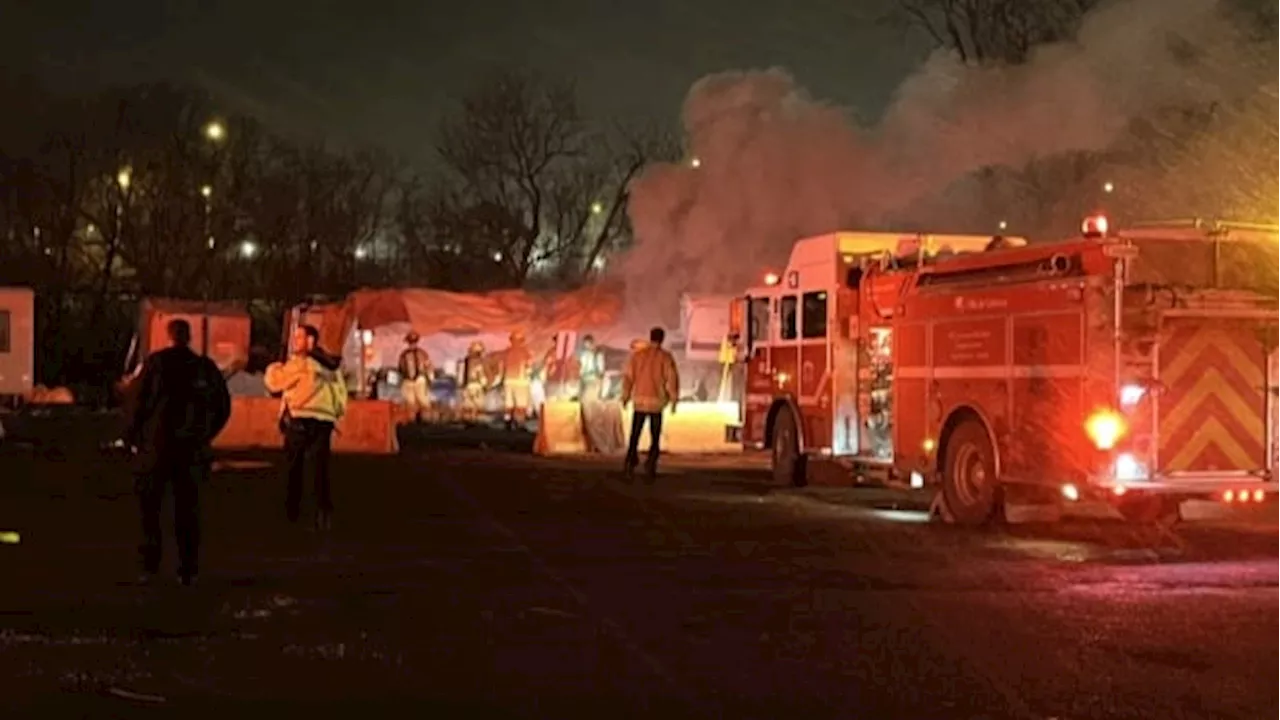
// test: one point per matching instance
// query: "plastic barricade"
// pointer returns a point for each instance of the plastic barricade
(695, 428)
(560, 429)
(368, 427)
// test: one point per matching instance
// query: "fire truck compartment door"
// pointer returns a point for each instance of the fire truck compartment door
(1214, 398)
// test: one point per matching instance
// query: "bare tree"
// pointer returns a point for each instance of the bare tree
(535, 192)
(515, 150)
(1214, 163)
(987, 31)
(631, 150)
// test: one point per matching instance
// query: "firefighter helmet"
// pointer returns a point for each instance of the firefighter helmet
(517, 337)
(477, 348)
(412, 337)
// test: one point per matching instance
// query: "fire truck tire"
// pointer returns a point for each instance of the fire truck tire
(1150, 510)
(969, 483)
(788, 461)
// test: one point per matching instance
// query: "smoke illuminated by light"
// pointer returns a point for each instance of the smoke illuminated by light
(766, 163)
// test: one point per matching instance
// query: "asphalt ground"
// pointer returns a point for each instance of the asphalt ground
(483, 582)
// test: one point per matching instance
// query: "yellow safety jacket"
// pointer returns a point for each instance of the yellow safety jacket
(310, 389)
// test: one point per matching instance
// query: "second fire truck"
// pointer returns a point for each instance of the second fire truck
(1137, 366)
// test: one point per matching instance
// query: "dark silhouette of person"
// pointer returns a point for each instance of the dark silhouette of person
(182, 404)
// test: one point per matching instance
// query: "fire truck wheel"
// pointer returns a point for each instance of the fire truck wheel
(1150, 510)
(788, 462)
(969, 483)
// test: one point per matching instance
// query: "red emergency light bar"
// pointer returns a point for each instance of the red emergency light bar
(1095, 226)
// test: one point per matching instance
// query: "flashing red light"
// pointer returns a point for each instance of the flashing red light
(1105, 428)
(1095, 226)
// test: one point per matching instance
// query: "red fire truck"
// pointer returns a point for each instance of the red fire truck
(1137, 366)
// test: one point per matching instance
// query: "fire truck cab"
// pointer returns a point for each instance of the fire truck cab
(1137, 366)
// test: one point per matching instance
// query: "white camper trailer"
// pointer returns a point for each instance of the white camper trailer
(17, 341)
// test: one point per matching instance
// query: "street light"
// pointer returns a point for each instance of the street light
(248, 249)
(695, 163)
(215, 131)
(1108, 187)
(361, 252)
(497, 256)
(206, 191)
(1004, 225)
(124, 177)
(597, 207)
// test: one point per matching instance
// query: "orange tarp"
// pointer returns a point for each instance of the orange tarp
(596, 309)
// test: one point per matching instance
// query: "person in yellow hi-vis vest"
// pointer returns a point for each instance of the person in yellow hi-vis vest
(517, 376)
(475, 381)
(314, 398)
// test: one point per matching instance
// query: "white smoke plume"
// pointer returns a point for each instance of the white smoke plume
(774, 164)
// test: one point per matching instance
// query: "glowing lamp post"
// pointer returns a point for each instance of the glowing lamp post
(215, 131)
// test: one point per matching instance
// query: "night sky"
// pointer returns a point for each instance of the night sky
(381, 71)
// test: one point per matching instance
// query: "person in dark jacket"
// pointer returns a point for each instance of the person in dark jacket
(182, 404)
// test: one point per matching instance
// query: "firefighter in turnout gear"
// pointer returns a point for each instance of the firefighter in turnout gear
(475, 379)
(517, 377)
(415, 377)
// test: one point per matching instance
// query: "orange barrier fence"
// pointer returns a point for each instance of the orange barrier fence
(695, 428)
(560, 429)
(368, 427)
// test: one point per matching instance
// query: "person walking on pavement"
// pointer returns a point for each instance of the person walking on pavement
(314, 399)
(415, 377)
(181, 406)
(650, 383)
